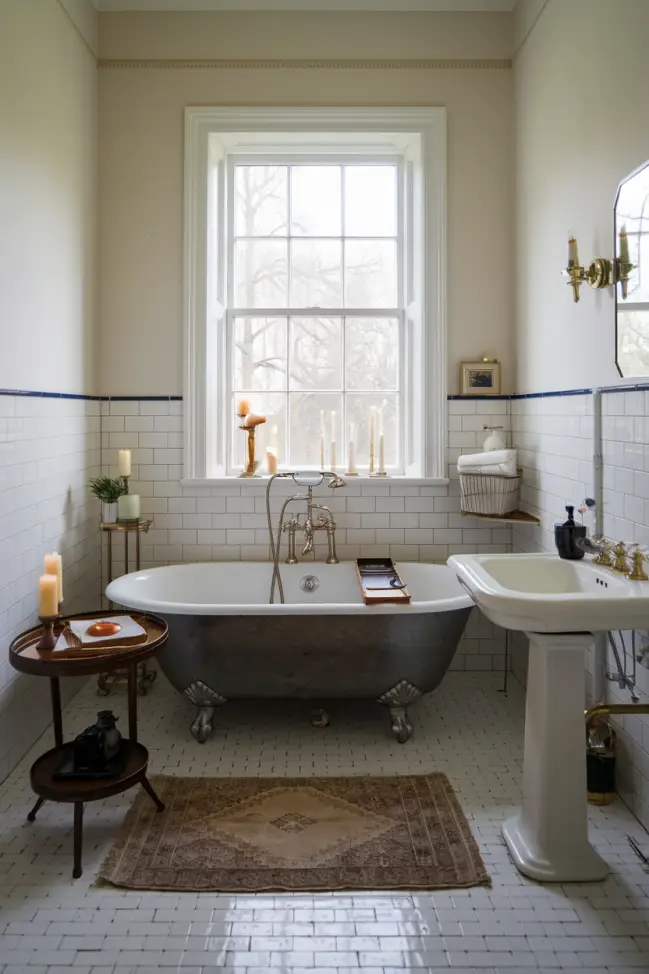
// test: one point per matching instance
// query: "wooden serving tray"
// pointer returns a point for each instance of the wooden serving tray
(380, 582)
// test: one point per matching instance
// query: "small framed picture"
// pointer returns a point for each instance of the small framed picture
(480, 378)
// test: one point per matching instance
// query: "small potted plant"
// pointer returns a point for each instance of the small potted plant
(107, 490)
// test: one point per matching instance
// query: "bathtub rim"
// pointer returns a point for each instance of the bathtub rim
(117, 591)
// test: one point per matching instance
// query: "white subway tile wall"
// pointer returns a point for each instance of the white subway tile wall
(554, 436)
(407, 523)
(50, 447)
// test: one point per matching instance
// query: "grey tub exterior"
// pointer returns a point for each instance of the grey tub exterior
(332, 648)
(388, 658)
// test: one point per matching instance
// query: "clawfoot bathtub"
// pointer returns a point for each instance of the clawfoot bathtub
(227, 642)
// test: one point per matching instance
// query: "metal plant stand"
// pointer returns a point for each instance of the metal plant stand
(145, 676)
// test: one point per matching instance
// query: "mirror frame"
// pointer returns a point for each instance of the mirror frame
(616, 240)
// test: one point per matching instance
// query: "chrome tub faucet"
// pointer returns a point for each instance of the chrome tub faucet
(323, 521)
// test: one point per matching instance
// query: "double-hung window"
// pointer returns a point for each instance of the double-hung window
(314, 286)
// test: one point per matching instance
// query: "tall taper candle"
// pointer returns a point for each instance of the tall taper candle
(381, 469)
(573, 256)
(322, 440)
(124, 463)
(332, 447)
(48, 596)
(54, 566)
(372, 415)
(351, 452)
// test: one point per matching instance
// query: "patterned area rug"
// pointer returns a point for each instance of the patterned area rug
(275, 834)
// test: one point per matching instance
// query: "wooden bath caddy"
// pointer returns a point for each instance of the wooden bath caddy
(380, 582)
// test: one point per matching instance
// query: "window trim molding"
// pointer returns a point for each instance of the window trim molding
(430, 125)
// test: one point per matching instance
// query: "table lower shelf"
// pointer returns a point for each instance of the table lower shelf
(46, 785)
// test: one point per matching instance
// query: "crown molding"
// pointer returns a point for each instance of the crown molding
(302, 64)
(400, 6)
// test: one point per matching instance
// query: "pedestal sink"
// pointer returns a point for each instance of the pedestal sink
(558, 604)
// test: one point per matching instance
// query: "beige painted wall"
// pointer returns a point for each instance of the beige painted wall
(48, 107)
(141, 165)
(582, 123)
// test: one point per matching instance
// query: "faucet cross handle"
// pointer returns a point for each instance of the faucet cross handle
(637, 573)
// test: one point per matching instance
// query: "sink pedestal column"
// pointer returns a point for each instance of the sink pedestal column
(548, 838)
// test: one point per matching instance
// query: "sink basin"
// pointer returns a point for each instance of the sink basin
(544, 593)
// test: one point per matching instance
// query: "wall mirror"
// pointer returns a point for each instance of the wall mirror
(632, 261)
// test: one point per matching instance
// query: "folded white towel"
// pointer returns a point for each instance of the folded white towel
(495, 461)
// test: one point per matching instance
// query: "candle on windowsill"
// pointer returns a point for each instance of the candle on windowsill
(48, 596)
(322, 440)
(243, 408)
(381, 469)
(351, 452)
(54, 566)
(124, 463)
(332, 447)
(272, 460)
(372, 421)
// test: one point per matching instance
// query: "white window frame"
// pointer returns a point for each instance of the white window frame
(418, 136)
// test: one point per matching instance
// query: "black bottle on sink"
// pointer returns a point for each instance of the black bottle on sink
(566, 536)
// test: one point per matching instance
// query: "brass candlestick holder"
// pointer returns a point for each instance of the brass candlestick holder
(249, 424)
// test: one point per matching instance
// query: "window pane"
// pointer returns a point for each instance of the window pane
(370, 274)
(261, 201)
(372, 353)
(359, 407)
(316, 274)
(370, 201)
(315, 353)
(315, 201)
(308, 412)
(259, 353)
(260, 273)
(272, 405)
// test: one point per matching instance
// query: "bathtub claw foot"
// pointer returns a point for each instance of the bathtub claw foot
(206, 700)
(397, 700)
(401, 725)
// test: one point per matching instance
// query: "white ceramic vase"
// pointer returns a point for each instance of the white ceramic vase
(108, 512)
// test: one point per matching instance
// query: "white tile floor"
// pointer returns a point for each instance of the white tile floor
(468, 729)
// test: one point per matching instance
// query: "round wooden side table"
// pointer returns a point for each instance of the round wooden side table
(25, 657)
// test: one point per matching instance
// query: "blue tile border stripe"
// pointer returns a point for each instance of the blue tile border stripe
(29, 393)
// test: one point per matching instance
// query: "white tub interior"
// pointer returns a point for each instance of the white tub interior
(242, 588)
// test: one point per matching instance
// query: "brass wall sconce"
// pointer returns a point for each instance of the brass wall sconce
(601, 272)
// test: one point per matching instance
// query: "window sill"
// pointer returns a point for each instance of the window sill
(263, 480)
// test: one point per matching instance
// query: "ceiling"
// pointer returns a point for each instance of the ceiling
(402, 5)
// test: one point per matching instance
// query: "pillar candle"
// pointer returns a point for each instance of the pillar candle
(48, 596)
(54, 566)
(124, 463)
(243, 408)
(272, 460)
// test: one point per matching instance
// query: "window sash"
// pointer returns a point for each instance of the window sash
(294, 311)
